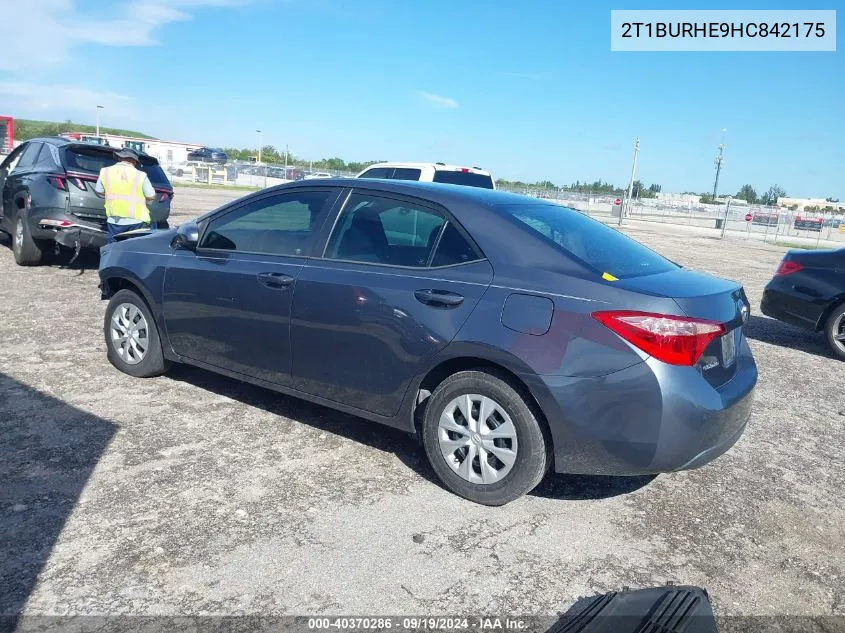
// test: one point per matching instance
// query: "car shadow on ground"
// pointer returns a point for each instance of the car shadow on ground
(48, 450)
(405, 446)
(775, 332)
(87, 260)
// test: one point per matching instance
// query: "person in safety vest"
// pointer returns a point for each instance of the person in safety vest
(127, 191)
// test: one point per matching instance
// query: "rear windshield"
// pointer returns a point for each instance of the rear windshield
(597, 246)
(92, 161)
(463, 178)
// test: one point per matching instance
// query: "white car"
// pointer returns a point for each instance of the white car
(431, 172)
(319, 174)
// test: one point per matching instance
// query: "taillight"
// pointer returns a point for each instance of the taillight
(674, 340)
(164, 195)
(787, 267)
(78, 183)
(59, 182)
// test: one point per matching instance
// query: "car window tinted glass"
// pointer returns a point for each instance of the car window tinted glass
(596, 245)
(406, 173)
(89, 160)
(47, 157)
(156, 175)
(463, 178)
(377, 172)
(279, 225)
(28, 157)
(454, 248)
(384, 231)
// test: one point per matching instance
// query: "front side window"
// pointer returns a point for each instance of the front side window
(379, 230)
(377, 172)
(28, 157)
(283, 224)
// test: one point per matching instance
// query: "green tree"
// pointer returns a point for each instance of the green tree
(770, 198)
(747, 193)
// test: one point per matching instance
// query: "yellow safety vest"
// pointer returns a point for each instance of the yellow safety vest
(124, 187)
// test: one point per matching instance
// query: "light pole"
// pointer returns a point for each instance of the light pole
(259, 145)
(99, 107)
(719, 160)
(631, 183)
(286, 160)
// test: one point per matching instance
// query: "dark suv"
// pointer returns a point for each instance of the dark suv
(49, 199)
(208, 155)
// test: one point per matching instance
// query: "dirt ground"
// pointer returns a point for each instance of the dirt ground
(192, 493)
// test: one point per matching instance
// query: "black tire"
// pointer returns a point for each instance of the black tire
(533, 455)
(152, 362)
(835, 326)
(27, 251)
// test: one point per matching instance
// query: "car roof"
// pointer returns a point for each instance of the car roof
(60, 141)
(439, 193)
(441, 166)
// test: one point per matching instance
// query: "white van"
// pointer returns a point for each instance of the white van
(431, 172)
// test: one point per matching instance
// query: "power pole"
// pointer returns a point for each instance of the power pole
(622, 210)
(719, 160)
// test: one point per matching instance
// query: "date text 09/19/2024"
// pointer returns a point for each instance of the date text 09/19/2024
(418, 623)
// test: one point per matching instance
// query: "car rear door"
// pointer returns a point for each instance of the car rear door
(397, 280)
(227, 305)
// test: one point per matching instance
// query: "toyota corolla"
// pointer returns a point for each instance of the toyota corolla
(512, 335)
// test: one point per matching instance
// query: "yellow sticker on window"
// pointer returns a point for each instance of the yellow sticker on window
(609, 277)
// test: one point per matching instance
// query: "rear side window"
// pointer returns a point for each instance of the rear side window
(156, 175)
(406, 173)
(453, 248)
(385, 231)
(598, 247)
(463, 178)
(47, 157)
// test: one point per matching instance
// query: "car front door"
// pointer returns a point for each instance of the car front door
(227, 304)
(397, 281)
(17, 180)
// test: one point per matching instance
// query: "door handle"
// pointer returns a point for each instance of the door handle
(275, 280)
(439, 298)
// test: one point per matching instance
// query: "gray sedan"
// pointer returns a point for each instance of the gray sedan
(513, 336)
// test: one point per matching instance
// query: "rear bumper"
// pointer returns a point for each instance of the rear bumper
(646, 419)
(778, 303)
(66, 229)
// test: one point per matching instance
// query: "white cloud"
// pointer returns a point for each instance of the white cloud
(442, 102)
(47, 31)
(65, 100)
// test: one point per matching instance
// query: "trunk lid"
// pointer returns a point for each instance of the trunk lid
(821, 258)
(703, 296)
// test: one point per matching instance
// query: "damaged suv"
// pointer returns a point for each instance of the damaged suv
(49, 202)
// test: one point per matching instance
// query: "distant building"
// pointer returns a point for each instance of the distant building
(167, 152)
(802, 203)
(682, 198)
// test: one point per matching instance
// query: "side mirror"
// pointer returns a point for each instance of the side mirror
(187, 236)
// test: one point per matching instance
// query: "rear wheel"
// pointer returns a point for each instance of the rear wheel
(134, 346)
(483, 439)
(835, 331)
(27, 251)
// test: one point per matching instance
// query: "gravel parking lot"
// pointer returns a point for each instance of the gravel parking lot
(192, 493)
